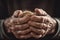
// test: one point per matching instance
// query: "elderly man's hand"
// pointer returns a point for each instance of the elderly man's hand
(41, 24)
(26, 24)
(17, 24)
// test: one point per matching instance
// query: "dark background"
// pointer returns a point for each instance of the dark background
(29, 5)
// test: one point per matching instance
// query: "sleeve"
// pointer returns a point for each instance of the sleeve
(57, 34)
(2, 33)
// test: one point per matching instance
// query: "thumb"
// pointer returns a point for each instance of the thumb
(40, 12)
(17, 13)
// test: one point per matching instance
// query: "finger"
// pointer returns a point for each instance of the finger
(20, 14)
(29, 13)
(41, 19)
(38, 25)
(36, 36)
(16, 13)
(25, 19)
(20, 20)
(23, 32)
(37, 18)
(14, 21)
(40, 12)
(22, 36)
(20, 27)
(7, 22)
(37, 31)
(25, 36)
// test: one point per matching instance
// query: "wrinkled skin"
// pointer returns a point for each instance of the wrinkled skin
(42, 23)
(27, 24)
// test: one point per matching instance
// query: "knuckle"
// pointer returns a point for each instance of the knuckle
(16, 13)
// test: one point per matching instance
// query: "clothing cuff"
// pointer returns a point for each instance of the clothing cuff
(2, 32)
(57, 28)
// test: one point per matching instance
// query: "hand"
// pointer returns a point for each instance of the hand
(42, 23)
(17, 24)
(30, 25)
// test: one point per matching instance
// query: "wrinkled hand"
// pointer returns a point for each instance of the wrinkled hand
(42, 23)
(17, 24)
(27, 25)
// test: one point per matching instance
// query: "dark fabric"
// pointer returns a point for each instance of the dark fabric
(2, 31)
(7, 7)
(1, 36)
(57, 35)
